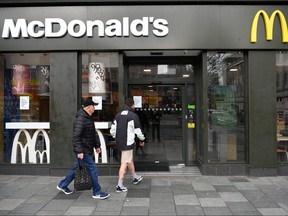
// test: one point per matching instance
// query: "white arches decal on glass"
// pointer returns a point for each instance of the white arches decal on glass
(30, 146)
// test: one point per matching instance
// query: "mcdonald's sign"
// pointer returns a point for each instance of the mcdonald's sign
(269, 23)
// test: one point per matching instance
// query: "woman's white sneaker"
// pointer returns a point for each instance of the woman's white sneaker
(121, 189)
(137, 180)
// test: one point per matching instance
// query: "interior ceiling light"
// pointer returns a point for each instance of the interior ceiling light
(186, 75)
(233, 69)
(147, 70)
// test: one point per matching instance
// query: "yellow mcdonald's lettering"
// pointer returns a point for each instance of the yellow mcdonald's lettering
(269, 23)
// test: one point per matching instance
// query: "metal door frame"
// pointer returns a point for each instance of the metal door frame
(172, 81)
(183, 112)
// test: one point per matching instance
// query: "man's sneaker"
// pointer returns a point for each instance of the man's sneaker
(137, 180)
(101, 195)
(121, 189)
(64, 190)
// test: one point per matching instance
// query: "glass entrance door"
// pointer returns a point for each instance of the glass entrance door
(160, 111)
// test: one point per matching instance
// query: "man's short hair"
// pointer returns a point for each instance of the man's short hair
(129, 102)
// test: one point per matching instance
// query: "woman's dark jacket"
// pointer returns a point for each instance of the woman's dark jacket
(84, 133)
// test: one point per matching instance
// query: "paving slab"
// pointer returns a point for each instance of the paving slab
(160, 182)
(51, 212)
(264, 202)
(207, 194)
(109, 205)
(58, 205)
(27, 209)
(186, 200)
(158, 208)
(138, 193)
(135, 210)
(242, 208)
(203, 186)
(189, 210)
(39, 199)
(10, 204)
(182, 189)
(79, 210)
(161, 189)
(232, 197)
(272, 211)
(212, 202)
(217, 211)
(219, 180)
(245, 186)
(225, 188)
(134, 202)
(155, 195)
(161, 197)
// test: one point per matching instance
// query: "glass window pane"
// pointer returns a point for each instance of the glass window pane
(226, 107)
(161, 71)
(159, 108)
(100, 82)
(282, 105)
(25, 94)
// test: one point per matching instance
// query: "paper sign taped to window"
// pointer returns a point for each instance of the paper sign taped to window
(24, 102)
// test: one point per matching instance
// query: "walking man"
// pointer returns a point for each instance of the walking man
(125, 126)
(84, 142)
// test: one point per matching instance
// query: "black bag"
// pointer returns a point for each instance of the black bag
(82, 179)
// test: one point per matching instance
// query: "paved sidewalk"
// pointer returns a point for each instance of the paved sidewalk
(155, 195)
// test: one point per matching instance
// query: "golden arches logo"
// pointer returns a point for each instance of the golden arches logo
(269, 23)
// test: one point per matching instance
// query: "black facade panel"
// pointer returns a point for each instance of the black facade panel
(134, 2)
(63, 107)
(262, 111)
(194, 27)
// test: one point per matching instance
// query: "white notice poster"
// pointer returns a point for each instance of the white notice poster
(24, 102)
(97, 99)
(137, 101)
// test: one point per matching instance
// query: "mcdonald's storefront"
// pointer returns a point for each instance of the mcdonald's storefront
(210, 84)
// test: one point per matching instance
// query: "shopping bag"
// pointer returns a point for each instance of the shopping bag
(82, 179)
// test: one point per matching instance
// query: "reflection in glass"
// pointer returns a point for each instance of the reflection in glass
(102, 68)
(100, 83)
(25, 97)
(160, 113)
(225, 107)
(97, 78)
(161, 71)
(282, 105)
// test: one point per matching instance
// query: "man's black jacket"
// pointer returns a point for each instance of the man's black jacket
(84, 133)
